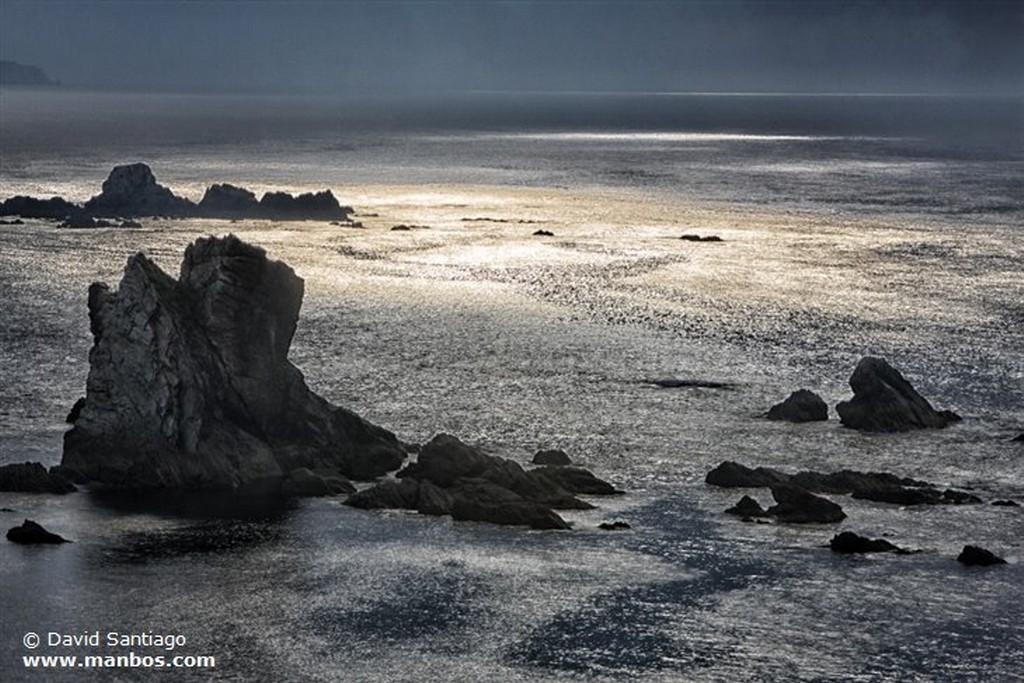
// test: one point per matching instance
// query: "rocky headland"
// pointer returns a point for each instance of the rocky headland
(131, 191)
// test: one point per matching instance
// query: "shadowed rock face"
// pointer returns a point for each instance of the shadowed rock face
(801, 406)
(190, 385)
(883, 401)
(132, 190)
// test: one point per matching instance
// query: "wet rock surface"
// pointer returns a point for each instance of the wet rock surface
(848, 543)
(795, 505)
(190, 386)
(975, 556)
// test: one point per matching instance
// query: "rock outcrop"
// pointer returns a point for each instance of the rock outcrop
(32, 533)
(848, 543)
(729, 474)
(883, 401)
(31, 477)
(132, 190)
(802, 405)
(454, 478)
(795, 505)
(190, 386)
(747, 509)
(974, 556)
(553, 456)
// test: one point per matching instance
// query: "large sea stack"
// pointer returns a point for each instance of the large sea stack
(883, 401)
(190, 385)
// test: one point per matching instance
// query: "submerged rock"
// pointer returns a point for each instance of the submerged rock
(32, 477)
(848, 542)
(617, 525)
(883, 401)
(190, 386)
(975, 556)
(802, 405)
(31, 533)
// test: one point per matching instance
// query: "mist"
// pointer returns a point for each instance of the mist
(423, 47)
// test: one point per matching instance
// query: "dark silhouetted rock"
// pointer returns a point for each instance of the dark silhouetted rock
(55, 208)
(955, 497)
(617, 525)
(82, 220)
(747, 508)
(796, 505)
(543, 233)
(433, 500)
(553, 457)
(75, 411)
(480, 500)
(319, 206)
(801, 406)
(387, 495)
(848, 543)
(228, 201)
(852, 481)
(1019, 438)
(190, 385)
(16, 221)
(14, 73)
(303, 482)
(973, 556)
(537, 485)
(1006, 503)
(883, 401)
(699, 238)
(31, 533)
(731, 474)
(132, 190)
(31, 477)
(445, 458)
(577, 480)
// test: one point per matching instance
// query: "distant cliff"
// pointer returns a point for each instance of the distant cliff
(13, 73)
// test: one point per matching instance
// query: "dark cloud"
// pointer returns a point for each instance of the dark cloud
(320, 46)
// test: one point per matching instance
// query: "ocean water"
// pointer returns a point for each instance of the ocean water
(851, 226)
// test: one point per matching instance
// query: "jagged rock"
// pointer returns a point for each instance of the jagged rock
(543, 233)
(320, 206)
(303, 482)
(75, 411)
(387, 495)
(31, 477)
(852, 481)
(31, 533)
(848, 542)
(553, 457)
(796, 505)
(801, 406)
(56, 208)
(132, 190)
(883, 401)
(190, 385)
(577, 480)
(537, 485)
(228, 201)
(617, 525)
(747, 508)
(973, 555)
(731, 474)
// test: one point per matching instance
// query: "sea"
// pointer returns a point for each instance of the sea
(850, 226)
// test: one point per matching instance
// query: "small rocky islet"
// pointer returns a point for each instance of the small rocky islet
(131, 191)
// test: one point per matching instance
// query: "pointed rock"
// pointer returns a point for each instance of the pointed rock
(883, 401)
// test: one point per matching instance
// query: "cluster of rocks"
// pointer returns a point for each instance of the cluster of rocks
(450, 477)
(190, 388)
(132, 191)
(883, 401)
(796, 502)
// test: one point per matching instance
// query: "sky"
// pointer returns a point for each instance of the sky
(328, 47)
